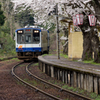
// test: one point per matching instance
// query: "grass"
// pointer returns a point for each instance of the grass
(58, 96)
(63, 55)
(65, 86)
(10, 60)
(70, 88)
(15, 59)
(83, 92)
(91, 62)
(93, 95)
(36, 64)
(75, 89)
(1, 58)
(30, 81)
(7, 54)
(55, 83)
(98, 98)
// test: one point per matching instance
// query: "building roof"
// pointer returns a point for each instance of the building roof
(66, 19)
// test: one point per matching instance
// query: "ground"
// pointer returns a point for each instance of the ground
(10, 88)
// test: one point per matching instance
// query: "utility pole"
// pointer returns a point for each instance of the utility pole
(58, 41)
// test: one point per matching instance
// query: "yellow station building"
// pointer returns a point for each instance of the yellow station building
(75, 41)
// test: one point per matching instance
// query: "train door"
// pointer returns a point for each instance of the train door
(28, 40)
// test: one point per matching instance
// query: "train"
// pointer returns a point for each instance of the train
(31, 41)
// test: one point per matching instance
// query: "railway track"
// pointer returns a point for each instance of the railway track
(56, 88)
(31, 86)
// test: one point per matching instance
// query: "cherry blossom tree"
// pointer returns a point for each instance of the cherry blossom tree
(69, 8)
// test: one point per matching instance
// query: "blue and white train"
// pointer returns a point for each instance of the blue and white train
(31, 41)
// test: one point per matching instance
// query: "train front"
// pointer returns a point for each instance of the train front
(28, 43)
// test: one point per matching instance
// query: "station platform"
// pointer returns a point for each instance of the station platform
(64, 62)
(76, 74)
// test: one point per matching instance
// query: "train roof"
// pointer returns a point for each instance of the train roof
(28, 28)
(38, 28)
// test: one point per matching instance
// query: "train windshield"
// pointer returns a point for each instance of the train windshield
(36, 37)
(28, 38)
(20, 38)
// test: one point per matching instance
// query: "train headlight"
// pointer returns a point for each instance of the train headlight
(36, 31)
(20, 31)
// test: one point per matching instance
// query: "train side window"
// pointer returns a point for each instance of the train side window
(28, 38)
(36, 38)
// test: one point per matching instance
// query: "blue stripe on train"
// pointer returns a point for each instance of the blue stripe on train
(29, 50)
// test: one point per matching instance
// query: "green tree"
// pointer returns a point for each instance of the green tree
(25, 17)
(7, 7)
(2, 17)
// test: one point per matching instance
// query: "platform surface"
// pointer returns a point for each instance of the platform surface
(72, 64)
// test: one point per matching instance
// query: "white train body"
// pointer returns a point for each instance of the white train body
(31, 42)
